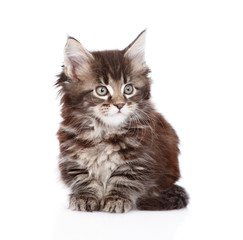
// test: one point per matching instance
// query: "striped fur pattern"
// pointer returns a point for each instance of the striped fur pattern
(116, 151)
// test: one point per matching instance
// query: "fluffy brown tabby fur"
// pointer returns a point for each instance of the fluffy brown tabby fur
(115, 149)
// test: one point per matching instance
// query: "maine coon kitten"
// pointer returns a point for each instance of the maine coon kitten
(115, 149)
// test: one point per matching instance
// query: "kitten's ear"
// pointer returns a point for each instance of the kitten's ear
(136, 50)
(76, 59)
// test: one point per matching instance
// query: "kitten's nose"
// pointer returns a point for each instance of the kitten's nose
(119, 105)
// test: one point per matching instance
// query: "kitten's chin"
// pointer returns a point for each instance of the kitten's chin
(114, 120)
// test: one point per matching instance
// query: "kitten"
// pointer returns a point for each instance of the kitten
(116, 151)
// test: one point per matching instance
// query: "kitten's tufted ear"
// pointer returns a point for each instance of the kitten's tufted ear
(136, 50)
(76, 59)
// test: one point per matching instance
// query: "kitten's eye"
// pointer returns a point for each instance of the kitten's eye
(102, 91)
(128, 89)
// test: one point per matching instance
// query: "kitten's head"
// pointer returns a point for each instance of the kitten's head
(111, 86)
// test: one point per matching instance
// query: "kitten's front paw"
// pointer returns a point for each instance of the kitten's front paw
(116, 204)
(83, 203)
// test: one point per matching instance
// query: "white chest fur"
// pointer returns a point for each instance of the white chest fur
(100, 160)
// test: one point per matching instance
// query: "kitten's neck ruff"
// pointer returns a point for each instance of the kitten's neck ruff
(94, 130)
(116, 121)
(103, 129)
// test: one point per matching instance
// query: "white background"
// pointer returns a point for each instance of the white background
(195, 51)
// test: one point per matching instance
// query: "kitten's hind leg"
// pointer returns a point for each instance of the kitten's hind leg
(174, 197)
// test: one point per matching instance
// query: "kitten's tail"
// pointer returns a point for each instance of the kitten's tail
(174, 197)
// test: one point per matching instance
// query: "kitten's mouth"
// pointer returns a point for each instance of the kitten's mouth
(117, 113)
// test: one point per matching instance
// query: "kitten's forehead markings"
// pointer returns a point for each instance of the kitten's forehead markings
(102, 80)
(126, 79)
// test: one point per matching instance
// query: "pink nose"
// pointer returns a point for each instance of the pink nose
(119, 105)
